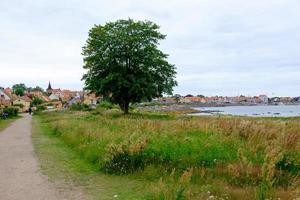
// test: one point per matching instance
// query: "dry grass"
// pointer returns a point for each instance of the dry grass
(213, 157)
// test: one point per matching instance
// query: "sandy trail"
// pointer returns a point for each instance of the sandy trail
(20, 177)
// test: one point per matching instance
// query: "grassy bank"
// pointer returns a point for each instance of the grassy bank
(70, 171)
(179, 157)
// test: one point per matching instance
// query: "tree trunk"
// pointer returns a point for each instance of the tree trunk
(124, 107)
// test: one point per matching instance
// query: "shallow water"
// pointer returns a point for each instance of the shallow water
(257, 111)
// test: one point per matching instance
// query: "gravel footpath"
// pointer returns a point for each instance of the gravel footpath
(20, 176)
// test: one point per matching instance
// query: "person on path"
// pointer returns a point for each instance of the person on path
(4, 115)
(30, 110)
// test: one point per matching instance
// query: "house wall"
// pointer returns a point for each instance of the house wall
(24, 103)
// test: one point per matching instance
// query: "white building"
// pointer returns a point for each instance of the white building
(54, 97)
(264, 99)
(3, 95)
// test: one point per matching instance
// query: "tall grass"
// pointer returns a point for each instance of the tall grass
(255, 156)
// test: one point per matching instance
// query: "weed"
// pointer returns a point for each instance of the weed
(244, 154)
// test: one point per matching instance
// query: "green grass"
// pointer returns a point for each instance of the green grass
(180, 157)
(64, 165)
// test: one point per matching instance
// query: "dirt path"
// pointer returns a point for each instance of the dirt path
(20, 177)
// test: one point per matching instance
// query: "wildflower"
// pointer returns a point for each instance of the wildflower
(115, 196)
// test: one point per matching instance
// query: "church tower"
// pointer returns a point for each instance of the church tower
(49, 89)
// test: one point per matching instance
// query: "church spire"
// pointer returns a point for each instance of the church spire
(49, 86)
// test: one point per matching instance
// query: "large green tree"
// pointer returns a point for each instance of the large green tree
(19, 89)
(124, 64)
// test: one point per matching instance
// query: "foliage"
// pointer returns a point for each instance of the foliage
(124, 63)
(19, 105)
(125, 158)
(106, 105)
(36, 101)
(177, 97)
(39, 108)
(289, 162)
(53, 153)
(249, 156)
(173, 187)
(36, 89)
(80, 107)
(19, 89)
(11, 111)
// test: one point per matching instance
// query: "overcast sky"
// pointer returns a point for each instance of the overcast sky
(220, 47)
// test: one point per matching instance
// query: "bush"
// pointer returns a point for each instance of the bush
(11, 111)
(106, 105)
(289, 163)
(19, 105)
(125, 158)
(36, 101)
(80, 107)
(40, 108)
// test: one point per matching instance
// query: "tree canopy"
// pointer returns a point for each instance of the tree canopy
(35, 89)
(19, 89)
(124, 64)
(36, 101)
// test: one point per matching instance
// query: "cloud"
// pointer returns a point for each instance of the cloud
(219, 47)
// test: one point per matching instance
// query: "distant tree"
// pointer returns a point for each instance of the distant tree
(200, 95)
(29, 89)
(124, 64)
(37, 89)
(19, 89)
(36, 101)
(189, 95)
(177, 97)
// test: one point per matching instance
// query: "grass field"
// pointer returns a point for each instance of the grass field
(160, 156)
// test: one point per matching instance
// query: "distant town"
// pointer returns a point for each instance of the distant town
(52, 98)
(199, 100)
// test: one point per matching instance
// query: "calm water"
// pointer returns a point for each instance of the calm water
(259, 111)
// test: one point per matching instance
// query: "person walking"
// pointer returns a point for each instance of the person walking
(30, 110)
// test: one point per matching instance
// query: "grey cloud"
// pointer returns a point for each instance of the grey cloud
(219, 47)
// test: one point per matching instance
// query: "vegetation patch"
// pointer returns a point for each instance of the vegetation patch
(71, 171)
(232, 156)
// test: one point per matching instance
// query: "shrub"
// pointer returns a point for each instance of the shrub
(11, 111)
(36, 101)
(106, 105)
(40, 108)
(80, 107)
(289, 163)
(19, 105)
(125, 158)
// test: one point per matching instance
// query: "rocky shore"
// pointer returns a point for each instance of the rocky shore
(173, 108)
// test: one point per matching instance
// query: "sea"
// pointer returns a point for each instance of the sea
(254, 111)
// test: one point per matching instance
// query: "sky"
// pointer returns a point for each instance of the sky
(228, 47)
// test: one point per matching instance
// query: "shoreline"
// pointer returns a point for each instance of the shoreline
(195, 110)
